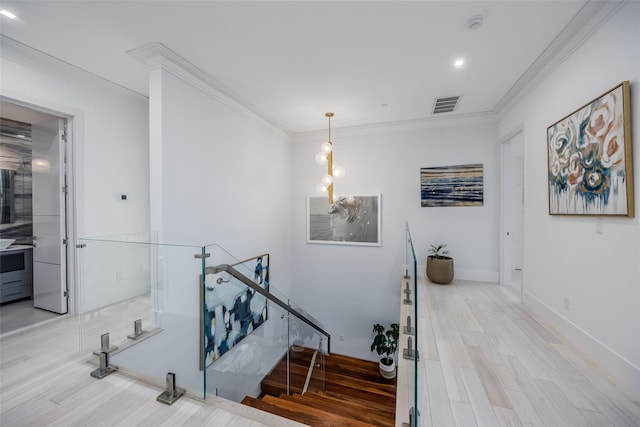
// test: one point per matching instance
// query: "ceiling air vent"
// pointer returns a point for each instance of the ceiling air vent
(445, 105)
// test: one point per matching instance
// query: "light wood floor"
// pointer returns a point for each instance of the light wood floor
(44, 382)
(485, 361)
(21, 314)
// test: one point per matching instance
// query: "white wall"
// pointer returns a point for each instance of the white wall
(349, 288)
(218, 174)
(110, 128)
(110, 133)
(563, 256)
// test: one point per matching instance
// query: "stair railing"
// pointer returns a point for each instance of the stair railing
(269, 296)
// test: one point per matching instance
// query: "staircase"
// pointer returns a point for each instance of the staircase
(353, 392)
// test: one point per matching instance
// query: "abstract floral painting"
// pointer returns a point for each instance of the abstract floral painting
(589, 152)
(452, 186)
(232, 310)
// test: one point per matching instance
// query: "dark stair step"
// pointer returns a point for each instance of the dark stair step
(344, 392)
(344, 380)
(366, 413)
(387, 409)
(327, 418)
(301, 416)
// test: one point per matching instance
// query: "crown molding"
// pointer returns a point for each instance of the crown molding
(583, 25)
(43, 62)
(403, 125)
(157, 56)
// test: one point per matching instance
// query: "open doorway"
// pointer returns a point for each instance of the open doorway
(33, 161)
(513, 212)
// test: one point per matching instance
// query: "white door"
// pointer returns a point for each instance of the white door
(513, 211)
(49, 219)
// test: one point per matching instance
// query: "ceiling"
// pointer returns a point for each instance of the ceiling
(368, 61)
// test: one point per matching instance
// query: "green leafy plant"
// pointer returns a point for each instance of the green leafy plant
(385, 341)
(439, 252)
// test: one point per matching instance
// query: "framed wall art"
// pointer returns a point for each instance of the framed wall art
(590, 169)
(232, 310)
(460, 185)
(350, 220)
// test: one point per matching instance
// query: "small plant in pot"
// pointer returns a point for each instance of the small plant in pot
(386, 342)
(439, 265)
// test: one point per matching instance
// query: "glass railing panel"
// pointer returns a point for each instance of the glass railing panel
(115, 290)
(412, 345)
(254, 344)
(244, 336)
(307, 349)
(175, 275)
(169, 277)
(215, 333)
(295, 306)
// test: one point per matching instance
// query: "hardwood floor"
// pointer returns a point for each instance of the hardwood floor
(20, 314)
(44, 382)
(348, 392)
(488, 362)
(484, 361)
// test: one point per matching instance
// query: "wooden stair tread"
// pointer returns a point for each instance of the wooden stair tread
(347, 392)
(390, 408)
(329, 418)
(365, 413)
(296, 415)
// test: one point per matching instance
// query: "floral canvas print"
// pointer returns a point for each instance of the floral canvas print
(589, 153)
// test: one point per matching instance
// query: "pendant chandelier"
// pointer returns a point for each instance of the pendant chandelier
(325, 156)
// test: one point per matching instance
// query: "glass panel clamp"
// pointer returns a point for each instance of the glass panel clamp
(409, 353)
(137, 330)
(171, 393)
(407, 300)
(408, 329)
(407, 289)
(104, 345)
(414, 414)
(104, 369)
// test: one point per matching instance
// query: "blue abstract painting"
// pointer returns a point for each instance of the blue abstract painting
(232, 310)
(589, 155)
(452, 186)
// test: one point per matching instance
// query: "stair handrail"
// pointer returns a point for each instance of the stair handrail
(268, 295)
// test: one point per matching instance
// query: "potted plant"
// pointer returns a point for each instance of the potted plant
(386, 342)
(439, 265)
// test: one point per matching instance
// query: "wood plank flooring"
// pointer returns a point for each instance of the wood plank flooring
(347, 392)
(20, 314)
(44, 382)
(488, 362)
(484, 361)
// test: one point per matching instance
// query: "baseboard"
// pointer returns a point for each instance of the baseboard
(477, 275)
(621, 370)
(468, 274)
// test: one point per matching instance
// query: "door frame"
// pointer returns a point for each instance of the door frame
(74, 142)
(506, 242)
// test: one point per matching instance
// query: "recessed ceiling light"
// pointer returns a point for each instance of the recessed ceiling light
(7, 14)
(458, 63)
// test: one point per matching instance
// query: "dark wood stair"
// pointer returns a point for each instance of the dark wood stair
(354, 393)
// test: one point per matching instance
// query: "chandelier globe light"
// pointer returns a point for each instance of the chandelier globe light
(325, 156)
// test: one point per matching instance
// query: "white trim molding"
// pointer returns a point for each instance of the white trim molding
(622, 370)
(156, 56)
